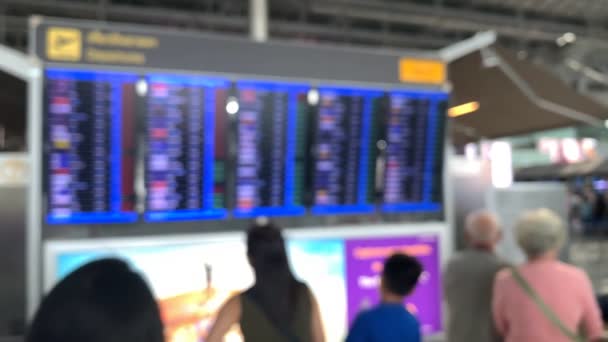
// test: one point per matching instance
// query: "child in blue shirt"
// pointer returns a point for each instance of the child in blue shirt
(390, 321)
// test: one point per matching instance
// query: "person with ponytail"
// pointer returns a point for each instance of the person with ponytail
(278, 307)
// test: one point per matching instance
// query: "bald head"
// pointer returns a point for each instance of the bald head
(483, 229)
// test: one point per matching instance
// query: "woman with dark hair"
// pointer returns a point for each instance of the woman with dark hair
(278, 307)
(103, 301)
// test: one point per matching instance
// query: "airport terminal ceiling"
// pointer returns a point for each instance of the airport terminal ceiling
(523, 24)
(564, 37)
(528, 29)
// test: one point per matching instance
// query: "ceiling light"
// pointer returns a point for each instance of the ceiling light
(565, 39)
(489, 59)
(574, 64)
(501, 158)
(569, 37)
(471, 151)
(463, 109)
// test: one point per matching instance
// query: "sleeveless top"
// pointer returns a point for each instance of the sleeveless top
(256, 326)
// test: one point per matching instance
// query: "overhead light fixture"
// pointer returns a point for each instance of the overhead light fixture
(463, 109)
(574, 64)
(501, 167)
(471, 151)
(565, 39)
(489, 58)
(569, 37)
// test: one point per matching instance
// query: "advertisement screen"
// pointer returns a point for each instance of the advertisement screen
(320, 263)
(364, 261)
(192, 280)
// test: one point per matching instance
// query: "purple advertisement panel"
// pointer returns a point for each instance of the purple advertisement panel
(364, 262)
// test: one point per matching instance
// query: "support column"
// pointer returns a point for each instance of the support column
(258, 20)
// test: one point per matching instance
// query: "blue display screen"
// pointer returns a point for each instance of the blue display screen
(271, 149)
(344, 141)
(414, 152)
(186, 154)
(89, 146)
(282, 152)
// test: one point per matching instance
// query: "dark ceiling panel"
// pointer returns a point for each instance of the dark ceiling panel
(504, 109)
(547, 85)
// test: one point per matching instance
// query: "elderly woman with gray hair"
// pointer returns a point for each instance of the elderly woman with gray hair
(545, 300)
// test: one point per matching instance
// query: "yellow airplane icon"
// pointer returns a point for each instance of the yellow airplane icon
(64, 44)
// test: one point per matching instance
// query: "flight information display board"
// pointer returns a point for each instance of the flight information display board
(271, 149)
(283, 152)
(343, 168)
(186, 139)
(89, 147)
(414, 152)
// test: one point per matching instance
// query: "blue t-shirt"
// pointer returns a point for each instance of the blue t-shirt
(385, 323)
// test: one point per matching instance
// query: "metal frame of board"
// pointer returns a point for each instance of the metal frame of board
(29, 69)
(34, 76)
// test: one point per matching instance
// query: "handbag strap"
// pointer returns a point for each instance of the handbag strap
(544, 308)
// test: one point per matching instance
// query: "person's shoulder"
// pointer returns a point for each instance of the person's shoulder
(364, 320)
(504, 275)
(235, 301)
(568, 268)
(571, 271)
(304, 292)
(502, 265)
(367, 314)
(371, 314)
(411, 323)
(459, 260)
(411, 318)
(468, 256)
(460, 256)
(303, 287)
(381, 311)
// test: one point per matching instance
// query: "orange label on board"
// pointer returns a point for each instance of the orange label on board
(413, 70)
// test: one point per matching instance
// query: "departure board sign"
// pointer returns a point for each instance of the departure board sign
(89, 147)
(414, 152)
(282, 153)
(271, 149)
(186, 139)
(344, 142)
